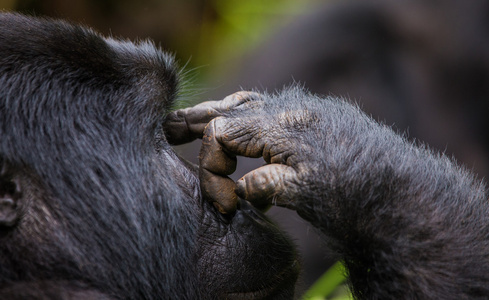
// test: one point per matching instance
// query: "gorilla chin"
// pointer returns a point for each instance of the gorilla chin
(267, 268)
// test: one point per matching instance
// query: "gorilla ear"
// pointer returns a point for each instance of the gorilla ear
(10, 195)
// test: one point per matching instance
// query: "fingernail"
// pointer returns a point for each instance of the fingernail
(240, 188)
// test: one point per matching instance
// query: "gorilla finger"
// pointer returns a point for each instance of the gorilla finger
(176, 128)
(213, 157)
(234, 100)
(185, 125)
(267, 185)
(214, 164)
(240, 136)
(219, 190)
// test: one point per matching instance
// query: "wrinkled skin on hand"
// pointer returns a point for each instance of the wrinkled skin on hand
(400, 216)
(229, 128)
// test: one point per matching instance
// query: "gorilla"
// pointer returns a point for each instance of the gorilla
(95, 204)
(407, 222)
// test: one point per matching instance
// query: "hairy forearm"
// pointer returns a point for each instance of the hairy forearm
(396, 212)
(407, 222)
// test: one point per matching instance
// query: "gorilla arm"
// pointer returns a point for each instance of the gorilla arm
(407, 222)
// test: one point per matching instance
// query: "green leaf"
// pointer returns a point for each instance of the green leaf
(328, 283)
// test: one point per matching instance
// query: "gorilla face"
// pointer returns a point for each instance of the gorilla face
(93, 200)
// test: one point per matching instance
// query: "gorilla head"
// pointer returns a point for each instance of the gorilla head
(93, 201)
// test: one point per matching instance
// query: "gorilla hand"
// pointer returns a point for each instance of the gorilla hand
(253, 135)
(185, 125)
(380, 200)
(244, 124)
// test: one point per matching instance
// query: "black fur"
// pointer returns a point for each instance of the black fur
(105, 208)
(408, 223)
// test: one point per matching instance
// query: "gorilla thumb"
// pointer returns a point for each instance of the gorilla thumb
(267, 185)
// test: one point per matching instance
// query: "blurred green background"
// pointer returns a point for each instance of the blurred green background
(205, 35)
